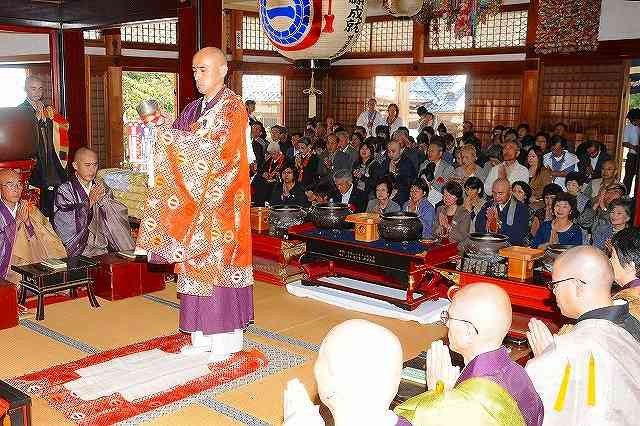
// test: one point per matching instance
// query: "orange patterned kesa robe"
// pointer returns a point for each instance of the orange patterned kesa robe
(198, 212)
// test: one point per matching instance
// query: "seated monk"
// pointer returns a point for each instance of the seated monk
(625, 260)
(492, 389)
(26, 236)
(589, 374)
(358, 374)
(87, 218)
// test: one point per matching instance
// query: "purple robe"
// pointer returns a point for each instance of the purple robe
(86, 230)
(227, 309)
(633, 284)
(498, 367)
(7, 237)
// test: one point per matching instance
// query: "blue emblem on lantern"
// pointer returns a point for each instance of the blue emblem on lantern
(299, 23)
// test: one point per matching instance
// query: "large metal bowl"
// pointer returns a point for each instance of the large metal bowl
(400, 226)
(329, 215)
(282, 216)
(486, 244)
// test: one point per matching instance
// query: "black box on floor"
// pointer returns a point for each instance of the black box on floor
(19, 405)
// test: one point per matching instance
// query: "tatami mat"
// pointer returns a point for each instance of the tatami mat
(73, 329)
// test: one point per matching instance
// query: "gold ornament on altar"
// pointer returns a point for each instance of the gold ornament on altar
(312, 29)
(403, 7)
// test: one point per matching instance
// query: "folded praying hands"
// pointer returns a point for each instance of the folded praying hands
(439, 366)
(539, 336)
(298, 408)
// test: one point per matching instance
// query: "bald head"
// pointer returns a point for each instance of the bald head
(359, 363)
(7, 175)
(10, 186)
(589, 277)
(209, 67)
(489, 307)
(84, 152)
(85, 163)
(34, 88)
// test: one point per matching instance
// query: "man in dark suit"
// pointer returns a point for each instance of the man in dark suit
(348, 193)
(401, 168)
(592, 160)
(48, 173)
(504, 215)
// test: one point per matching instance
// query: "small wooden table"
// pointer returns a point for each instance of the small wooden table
(40, 280)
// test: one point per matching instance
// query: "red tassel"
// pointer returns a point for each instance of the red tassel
(328, 19)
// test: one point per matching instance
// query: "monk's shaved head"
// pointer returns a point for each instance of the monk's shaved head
(589, 277)
(84, 152)
(586, 263)
(211, 53)
(10, 186)
(209, 67)
(8, 175)
(85, 163)
(479, 319)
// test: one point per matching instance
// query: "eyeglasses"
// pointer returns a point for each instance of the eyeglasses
(554, 284)
(445, 318)
(13, 185)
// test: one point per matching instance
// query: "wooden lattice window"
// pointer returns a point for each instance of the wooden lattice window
(582, 96)
(98, 120)
(506, 29)
(157, 32)
(363, 42)
(92, 34)
(349, 97)
(492, 100)
(385, 36)
(253, 38)
(392, 36)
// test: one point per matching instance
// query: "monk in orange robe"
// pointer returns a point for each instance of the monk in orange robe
(198, 213)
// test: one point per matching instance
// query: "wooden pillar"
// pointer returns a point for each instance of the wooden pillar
(55, 61)
(187, 48)
(419, 40)
(200, 14)
(236, 35)
(529, 97)
(112, 41)
(212, 25)
(532, 26)
(74, 86)
(113, 106)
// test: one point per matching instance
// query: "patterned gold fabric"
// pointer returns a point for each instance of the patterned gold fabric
(198, 212)
(475, 401)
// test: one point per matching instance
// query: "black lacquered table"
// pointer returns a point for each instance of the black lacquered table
(41, 280)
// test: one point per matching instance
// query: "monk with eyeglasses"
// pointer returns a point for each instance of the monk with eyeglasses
(26, 236)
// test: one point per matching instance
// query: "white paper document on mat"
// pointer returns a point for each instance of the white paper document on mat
(139, 375)
(427, 313)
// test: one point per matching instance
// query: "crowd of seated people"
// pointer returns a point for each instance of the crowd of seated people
(536, 188)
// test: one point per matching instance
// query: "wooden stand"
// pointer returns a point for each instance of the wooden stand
(394, 265)
(276, 260)
(119, 277)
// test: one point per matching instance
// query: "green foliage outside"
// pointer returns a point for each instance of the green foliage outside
(139, 86)
(634, 101)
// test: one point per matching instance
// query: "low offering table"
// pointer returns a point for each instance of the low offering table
(403, 266)
(79, 272)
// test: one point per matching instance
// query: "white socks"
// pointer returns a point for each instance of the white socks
(221, 345)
